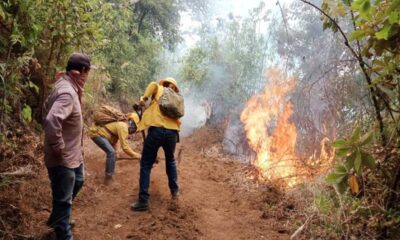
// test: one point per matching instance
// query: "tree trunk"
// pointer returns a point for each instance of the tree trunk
(372, 90)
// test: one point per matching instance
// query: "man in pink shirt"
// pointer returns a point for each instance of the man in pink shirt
(63, 128)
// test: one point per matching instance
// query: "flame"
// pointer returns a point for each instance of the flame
(270, 132)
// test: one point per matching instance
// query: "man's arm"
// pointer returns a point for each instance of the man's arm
(60, 110)
(150, 90)
(123, 138)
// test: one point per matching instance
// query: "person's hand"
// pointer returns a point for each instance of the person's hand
(142, 101)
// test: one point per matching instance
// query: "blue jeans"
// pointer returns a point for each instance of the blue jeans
(65, 185)
(106, 146)
(156, 138)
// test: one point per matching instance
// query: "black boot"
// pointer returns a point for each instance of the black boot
(139, 206)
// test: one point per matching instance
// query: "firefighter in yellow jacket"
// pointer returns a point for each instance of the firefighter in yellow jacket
(107, 136)
(162, 132)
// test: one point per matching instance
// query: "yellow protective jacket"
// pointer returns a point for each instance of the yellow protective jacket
(152, 116)
(113, 132)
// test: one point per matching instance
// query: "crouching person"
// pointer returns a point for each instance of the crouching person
(106, 137)
(63, 127)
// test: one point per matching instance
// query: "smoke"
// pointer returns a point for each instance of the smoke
(196, 115)
(204, 102)
(220, 96)
(235, 63)
(235, 137)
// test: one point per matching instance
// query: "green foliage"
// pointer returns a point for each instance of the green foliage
(35, 39)
(233, 53)
(159, 19)
(374, 43)
(369, 177)
(135, 35)
(377, 33)
(195, 65)
(124, 37)
(353, 159)
(18, 17)
(27, 113)
(363, 7)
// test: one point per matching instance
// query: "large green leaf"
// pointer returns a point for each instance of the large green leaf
(335, 178)
(384, 32)
(365, 7)
(394, 17)
(341, 144)
(350, 160)
(342, 185)
(356, 134)
(342, 152)
(357, 5)
(357, 35)
(366, 139)
(341, 169)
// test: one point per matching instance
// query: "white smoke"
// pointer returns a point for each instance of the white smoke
(196, 115)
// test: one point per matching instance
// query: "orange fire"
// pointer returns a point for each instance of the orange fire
(270, 132)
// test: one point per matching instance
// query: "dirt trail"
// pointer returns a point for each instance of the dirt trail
(210, 205)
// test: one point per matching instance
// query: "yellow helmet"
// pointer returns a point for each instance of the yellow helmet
(169, 80)
(134, 117)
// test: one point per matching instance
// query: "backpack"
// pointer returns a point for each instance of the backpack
(106, 114)
(171, 104)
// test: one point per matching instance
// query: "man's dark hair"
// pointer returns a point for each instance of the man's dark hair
(131, 127)
(79, 62)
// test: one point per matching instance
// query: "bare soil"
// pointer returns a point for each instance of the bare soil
(216, 200)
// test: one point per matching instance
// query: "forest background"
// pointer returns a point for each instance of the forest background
(344, 53)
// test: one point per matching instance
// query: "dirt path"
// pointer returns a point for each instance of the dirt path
(210, 206)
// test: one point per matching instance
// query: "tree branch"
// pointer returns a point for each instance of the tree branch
(362, 64)
(287, 32)
(346, 40)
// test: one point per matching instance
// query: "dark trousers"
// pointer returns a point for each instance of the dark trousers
(156, 138)
(65, 185)
(106, 146)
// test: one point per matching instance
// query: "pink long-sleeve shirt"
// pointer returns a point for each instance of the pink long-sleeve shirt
(63, 125)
